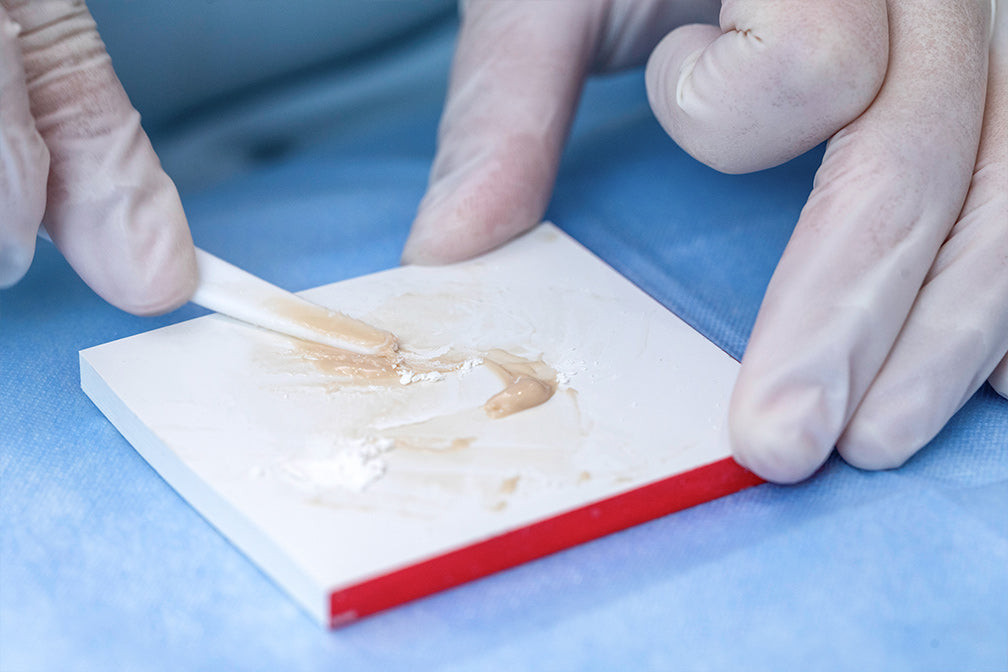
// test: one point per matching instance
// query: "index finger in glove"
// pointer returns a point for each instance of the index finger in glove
(112, 211)
(518, 71)
(774, 80)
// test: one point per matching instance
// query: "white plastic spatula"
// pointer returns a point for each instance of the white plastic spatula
(227, 289)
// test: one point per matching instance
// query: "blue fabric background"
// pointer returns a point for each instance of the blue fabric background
(104, 567)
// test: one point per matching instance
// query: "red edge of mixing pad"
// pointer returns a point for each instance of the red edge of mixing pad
(539, 539)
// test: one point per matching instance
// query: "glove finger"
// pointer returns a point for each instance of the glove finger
(112, 211)
(516, 77)
(24, 162)
(891, 185)
(518, 72)
(775, 80)
(957, 330)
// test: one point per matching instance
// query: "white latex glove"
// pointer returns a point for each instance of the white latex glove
(878, 324)
(72, 152)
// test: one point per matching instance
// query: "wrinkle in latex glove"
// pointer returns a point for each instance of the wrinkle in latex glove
(108, 205)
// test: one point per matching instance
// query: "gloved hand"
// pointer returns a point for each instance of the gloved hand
(889, 307)
(72, 153)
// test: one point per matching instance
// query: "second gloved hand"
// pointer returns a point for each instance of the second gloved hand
(888, 309)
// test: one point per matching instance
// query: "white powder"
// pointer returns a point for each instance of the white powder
(468, 365)
(354, 466)
(409, 377)
(569, 367)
